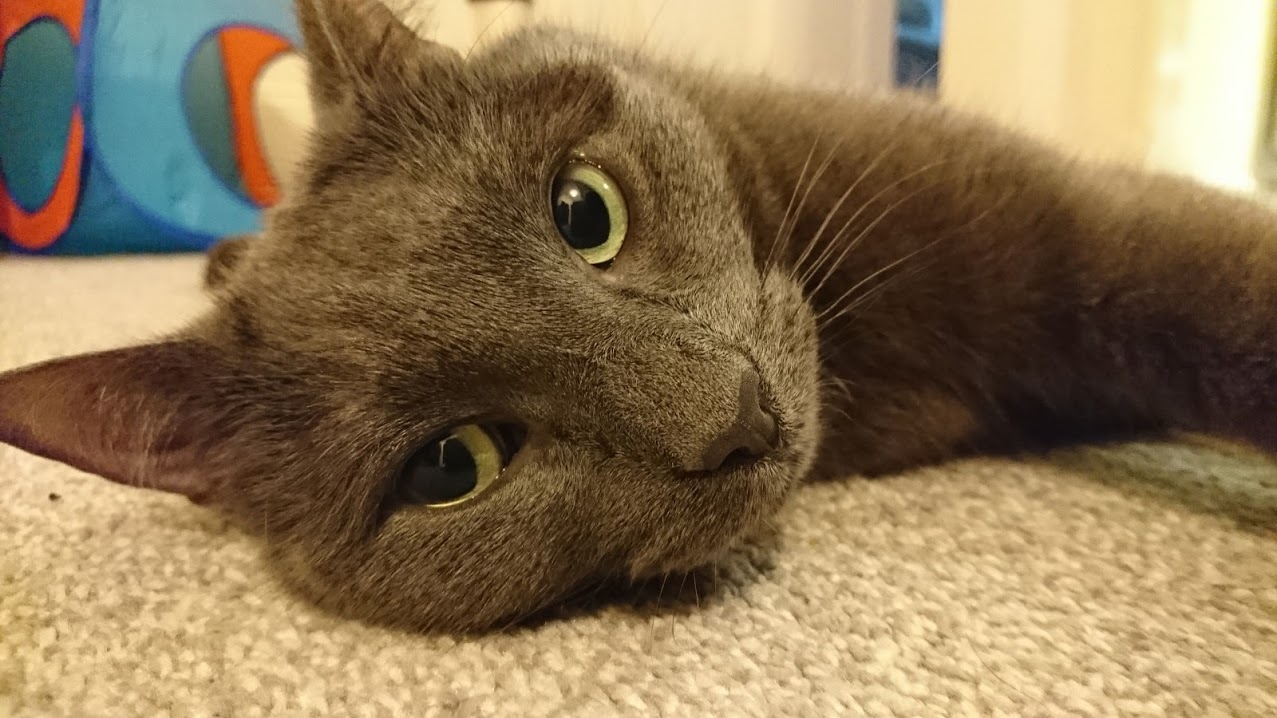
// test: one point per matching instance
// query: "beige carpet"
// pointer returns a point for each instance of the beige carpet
(1139, 580)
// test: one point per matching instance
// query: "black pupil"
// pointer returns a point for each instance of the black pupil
(580, 214)
(439, 472)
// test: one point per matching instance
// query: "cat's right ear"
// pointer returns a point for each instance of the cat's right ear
(150, 416)
(353, 46)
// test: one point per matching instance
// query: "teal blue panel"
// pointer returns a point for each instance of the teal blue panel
(138, 127)
(208, 111)
(105, 223)
(37, 96)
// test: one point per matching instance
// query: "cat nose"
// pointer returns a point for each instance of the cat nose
(751, 434)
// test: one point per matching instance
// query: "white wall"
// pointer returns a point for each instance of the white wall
(1177, 85)
(1212, 72)
(837, 43)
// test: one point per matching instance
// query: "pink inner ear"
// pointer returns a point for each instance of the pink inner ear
(133, 415)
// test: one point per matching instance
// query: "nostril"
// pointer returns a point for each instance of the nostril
(765, 424)
(740, 456)
(752, 433)
(759, 422)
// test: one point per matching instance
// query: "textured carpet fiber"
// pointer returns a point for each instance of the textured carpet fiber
(1132, 580)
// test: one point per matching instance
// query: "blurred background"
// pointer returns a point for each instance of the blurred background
(131, 125)
(1179, 85)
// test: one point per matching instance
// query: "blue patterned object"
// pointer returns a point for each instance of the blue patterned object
(126, 125)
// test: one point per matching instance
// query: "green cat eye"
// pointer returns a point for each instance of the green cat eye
(589, 211)
(452, 467)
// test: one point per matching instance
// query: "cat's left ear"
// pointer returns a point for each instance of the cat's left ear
(355, 45)
(147, 416)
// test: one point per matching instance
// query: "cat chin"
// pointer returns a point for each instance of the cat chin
(707, 558)
(765, 489)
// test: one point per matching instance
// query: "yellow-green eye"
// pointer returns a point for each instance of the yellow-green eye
(452, 467)
(589, 211)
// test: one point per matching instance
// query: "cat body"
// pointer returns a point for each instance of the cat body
(978, 291)
(630, 307)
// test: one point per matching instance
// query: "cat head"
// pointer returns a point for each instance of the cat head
(508, 335)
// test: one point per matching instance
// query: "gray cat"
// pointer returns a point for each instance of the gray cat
(558, 313)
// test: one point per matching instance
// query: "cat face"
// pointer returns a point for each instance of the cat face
(508, 336)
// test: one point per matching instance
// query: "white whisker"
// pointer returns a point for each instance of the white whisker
(784, 219)
(822, 262)
(788, 233)
(838, 205)
(823, 316)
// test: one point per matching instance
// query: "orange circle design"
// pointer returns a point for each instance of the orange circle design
(246, 51)
(39, 229)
